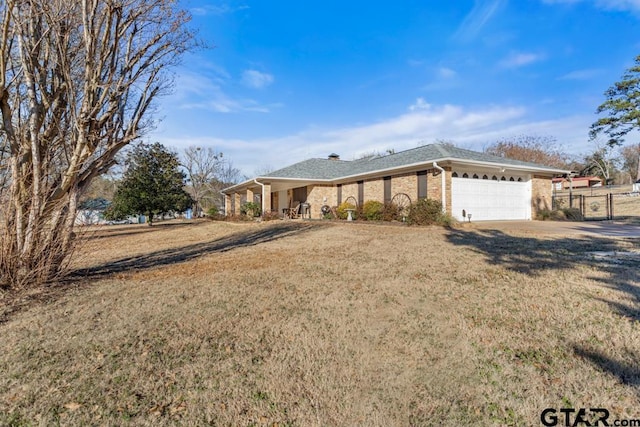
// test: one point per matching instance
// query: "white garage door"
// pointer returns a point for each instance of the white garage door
(487, 199)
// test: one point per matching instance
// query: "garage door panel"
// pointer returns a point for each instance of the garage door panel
(490, 200)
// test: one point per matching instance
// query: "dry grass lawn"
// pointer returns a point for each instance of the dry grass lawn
(317, 324)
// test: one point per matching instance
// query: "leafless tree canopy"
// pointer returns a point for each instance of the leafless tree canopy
(208, 172)
(631, 161)
(78, 80)
(535, 149)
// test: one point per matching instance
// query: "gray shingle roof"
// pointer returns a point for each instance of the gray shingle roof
(325, 169)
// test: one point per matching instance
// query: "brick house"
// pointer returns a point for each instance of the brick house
(466, 182)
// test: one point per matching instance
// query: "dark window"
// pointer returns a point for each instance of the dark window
(511, 179)
(387, 189)
(454, 175)
(300, 194)
(475, 176)
(360, 192)
(495, 178)
(485, 177)
(465, 175)
(503, 179)
(519, 179)
(339, 193)
(422, 184)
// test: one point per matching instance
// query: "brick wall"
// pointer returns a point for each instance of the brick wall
(434, 186)
(447, 171)
(316, 197)
(374, 190)
(541, 193)
(406, 183)
(349, 190)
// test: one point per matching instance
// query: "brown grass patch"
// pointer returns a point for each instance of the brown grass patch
(342, 324)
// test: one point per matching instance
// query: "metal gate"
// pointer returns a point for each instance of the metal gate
(602, 207)
(596, 207)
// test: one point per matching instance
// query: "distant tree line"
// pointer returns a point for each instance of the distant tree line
(613, 164)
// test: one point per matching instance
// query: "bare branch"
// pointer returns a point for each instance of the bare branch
(78, 82)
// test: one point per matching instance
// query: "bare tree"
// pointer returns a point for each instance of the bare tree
(631, 161)
(527, 148)
(78, 80)
(602, 163)
(202, 165)
(208, 172)
(228, 175)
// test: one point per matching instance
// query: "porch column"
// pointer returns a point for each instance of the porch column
(227, 204)
(249, 195)
(236, 203)
(266, 198)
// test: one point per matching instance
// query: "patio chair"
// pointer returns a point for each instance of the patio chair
(294, 210)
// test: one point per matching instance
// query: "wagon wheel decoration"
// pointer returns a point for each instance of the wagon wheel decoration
(402, 202)
(328, 212)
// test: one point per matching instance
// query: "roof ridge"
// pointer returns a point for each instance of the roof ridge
(407, 150)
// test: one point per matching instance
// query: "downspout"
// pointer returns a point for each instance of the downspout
(444, 187)
(261, 198)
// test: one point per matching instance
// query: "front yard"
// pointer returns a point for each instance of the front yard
(308, 323)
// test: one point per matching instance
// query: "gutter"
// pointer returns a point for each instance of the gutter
(444, 187)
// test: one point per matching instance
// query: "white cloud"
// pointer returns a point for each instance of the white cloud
(472, 128)
(442, 78)
(255, 79)
(222, 9)
(619, 5)
(633, 5)
(207, 91)
(480, 15)
(520, 59)
(446, 73)
(585, 74)
(420, 104)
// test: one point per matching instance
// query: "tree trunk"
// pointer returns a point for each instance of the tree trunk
(77, 82)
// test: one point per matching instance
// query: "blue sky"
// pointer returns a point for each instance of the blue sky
(290, 80)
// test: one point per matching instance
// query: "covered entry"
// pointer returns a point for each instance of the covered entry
(490, 196)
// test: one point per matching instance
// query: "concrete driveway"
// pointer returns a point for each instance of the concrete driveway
(586, 228)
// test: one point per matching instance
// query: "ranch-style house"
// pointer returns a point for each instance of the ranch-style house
(468, 183)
